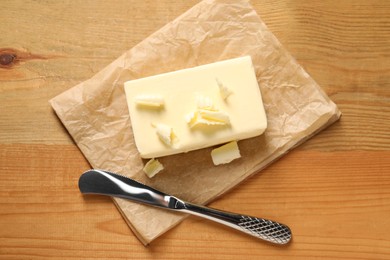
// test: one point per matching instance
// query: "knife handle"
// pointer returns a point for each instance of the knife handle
(264, 229)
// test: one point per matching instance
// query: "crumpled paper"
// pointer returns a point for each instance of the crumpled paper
(95, 111)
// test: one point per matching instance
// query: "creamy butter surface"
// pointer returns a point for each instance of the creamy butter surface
(224, 95)
(225, 153)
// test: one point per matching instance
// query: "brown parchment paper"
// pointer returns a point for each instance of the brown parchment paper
(95, 111)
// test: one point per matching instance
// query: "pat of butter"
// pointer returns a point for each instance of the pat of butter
(240, 102)
(152, 167)
(226, 153)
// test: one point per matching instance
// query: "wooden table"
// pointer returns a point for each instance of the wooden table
(333, 191)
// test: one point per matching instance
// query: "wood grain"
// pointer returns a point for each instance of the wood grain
(334, 190)
(332, 209)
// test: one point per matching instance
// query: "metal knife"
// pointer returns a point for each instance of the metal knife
(111, 184)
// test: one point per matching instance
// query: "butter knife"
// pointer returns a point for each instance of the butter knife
(111, 184)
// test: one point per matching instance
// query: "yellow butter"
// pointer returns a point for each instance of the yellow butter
(204, 102)
(225, 153)
(215, 116)
(154, 101)
(207, 118)
(223, 89)
(241, 116)
(152, 167)
(166, 134)
(206, 114)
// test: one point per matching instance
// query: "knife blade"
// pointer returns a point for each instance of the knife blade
(110, 184)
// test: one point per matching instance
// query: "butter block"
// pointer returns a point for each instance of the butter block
(224, 95)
